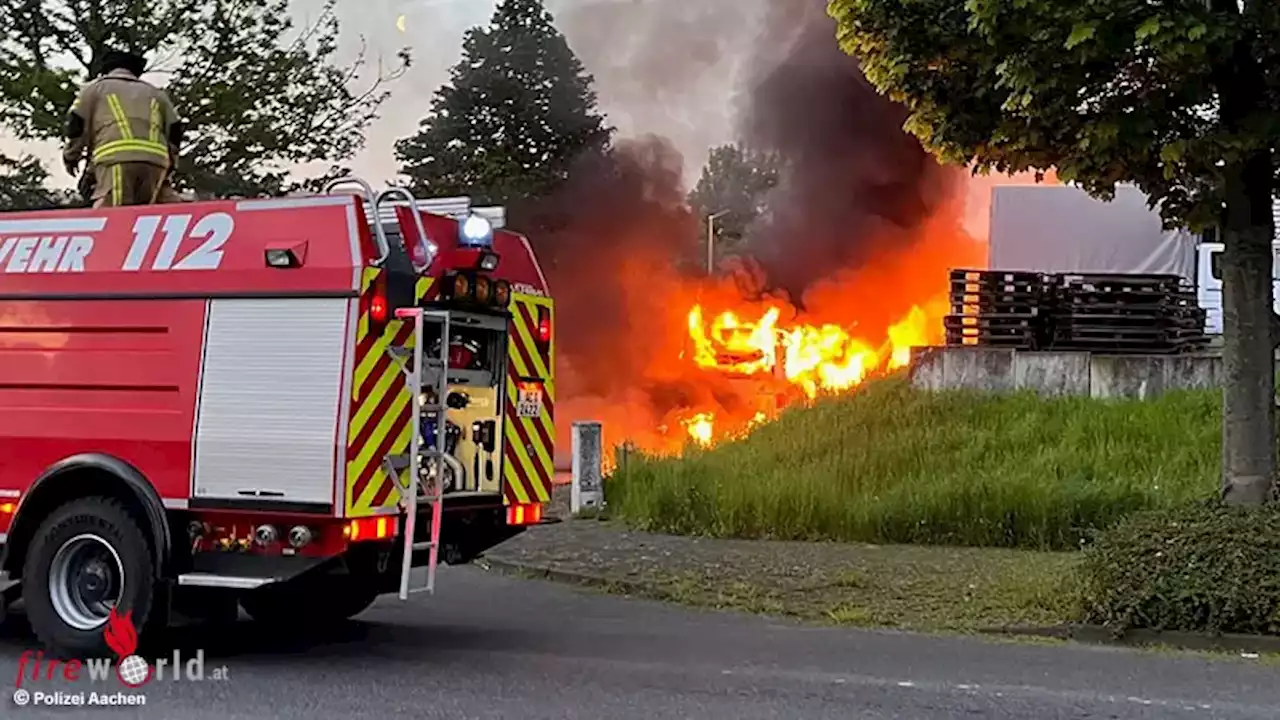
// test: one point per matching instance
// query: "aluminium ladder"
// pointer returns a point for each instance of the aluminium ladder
(421, 371)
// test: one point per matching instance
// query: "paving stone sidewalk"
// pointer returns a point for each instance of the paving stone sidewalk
(919, 588)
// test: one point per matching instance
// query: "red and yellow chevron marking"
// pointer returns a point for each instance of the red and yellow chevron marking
(380, 408)
(528, 462)
(380, 411)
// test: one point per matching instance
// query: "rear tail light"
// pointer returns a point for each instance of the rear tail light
(524, 514)
(379, 309)
(372, 528)
(544, 326)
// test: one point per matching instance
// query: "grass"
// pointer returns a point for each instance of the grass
(922, 589)
(890, 464)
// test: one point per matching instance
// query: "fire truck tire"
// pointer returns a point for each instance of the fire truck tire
(86, 557)
(326, 600)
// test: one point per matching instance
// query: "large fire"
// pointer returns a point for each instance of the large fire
(814, 358)
(707, 360)
(703, 361)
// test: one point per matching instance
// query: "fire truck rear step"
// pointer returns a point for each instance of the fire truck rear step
(224, 581)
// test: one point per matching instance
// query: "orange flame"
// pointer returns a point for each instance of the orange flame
(814, 358)
(734, 346)
(856, 324)
(700, 427)
(707, 361)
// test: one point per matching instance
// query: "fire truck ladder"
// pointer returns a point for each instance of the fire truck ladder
(420, 372)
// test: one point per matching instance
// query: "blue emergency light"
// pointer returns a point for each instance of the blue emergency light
(475, 231)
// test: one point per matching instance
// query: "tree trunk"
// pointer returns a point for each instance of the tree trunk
(1248, 419)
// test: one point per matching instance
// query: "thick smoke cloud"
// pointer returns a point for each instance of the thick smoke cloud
(855, 183)
(667, 66)
(614, 247)
(615, 237)
(610, 245)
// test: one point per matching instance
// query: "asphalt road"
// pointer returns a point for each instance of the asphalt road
(494, 647)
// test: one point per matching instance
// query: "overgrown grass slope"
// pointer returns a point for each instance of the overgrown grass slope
(892, 464)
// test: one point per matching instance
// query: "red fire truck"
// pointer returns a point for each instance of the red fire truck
(288, 405)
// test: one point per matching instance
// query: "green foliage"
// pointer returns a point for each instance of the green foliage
(23, 186)
(1105, 92)
(258, 93)
(736, 181)
(518, 110)
(892, 464)
(1202, 567)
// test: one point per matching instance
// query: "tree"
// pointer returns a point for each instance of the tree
(257, 95)
(22, 185)
(518, 110)
(736, 181)
(1180, 98)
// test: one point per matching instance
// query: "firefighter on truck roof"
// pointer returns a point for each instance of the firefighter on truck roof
(130, 131)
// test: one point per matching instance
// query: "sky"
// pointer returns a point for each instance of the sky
(660, 66)
(669, 67)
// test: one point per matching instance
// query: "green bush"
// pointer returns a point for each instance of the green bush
(891, 464)
(1198, 568)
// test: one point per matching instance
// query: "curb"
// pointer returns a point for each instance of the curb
(1100, 635)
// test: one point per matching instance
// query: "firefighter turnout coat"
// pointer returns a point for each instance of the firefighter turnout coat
(126, 130)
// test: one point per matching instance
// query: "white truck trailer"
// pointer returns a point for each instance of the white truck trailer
(1061, 229)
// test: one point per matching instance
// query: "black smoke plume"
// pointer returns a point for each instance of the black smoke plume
(853, 179)
(611, 243)
(617, 241)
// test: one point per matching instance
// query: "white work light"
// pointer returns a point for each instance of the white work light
(476, 231)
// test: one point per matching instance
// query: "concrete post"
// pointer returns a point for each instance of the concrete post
(588, 486)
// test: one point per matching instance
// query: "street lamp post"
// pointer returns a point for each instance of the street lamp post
(711, 239)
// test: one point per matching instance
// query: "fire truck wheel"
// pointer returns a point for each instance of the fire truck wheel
(324, 600)
(89, 557)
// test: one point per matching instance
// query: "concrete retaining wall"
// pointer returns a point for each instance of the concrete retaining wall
(1062, 373)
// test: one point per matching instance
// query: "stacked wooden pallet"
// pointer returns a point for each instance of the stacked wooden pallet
(996, 309)
(1093, 312)
(1126, 313)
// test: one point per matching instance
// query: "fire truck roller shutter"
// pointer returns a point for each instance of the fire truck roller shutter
(90, 474)
(528, 462)
(267, 425)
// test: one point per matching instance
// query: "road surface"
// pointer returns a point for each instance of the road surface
(494, 647)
